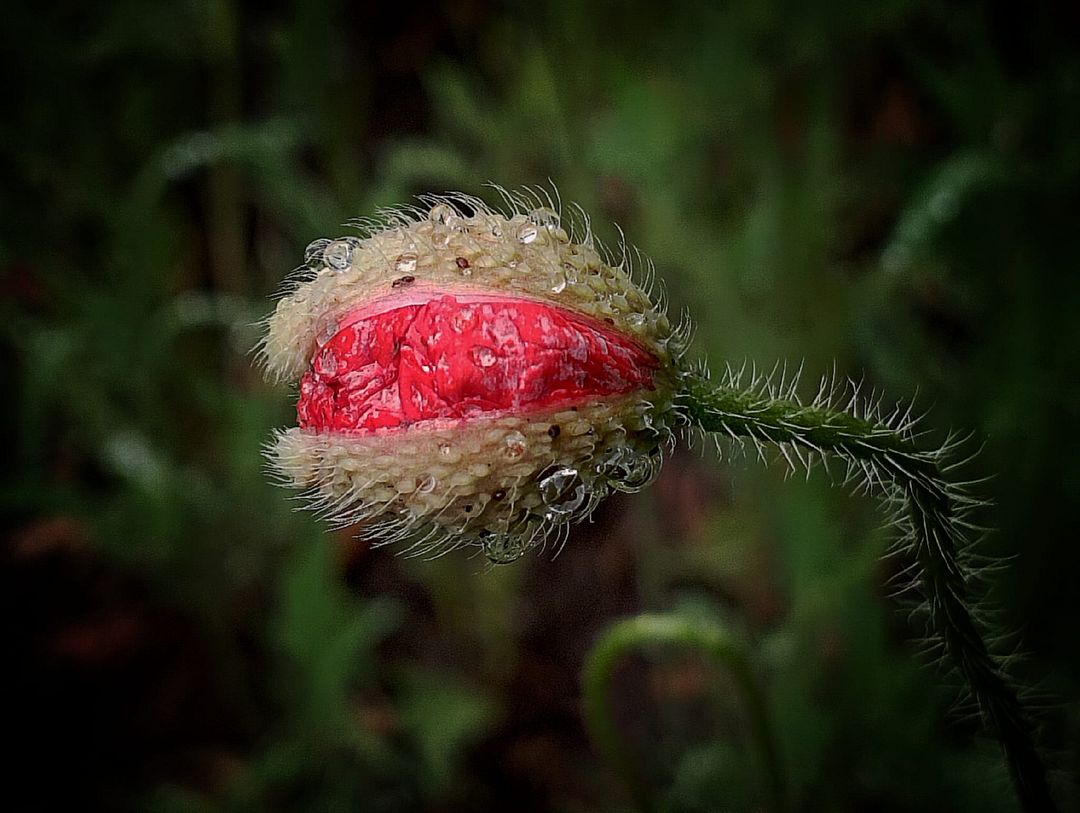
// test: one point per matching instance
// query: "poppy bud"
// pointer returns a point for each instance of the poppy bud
(470, 376)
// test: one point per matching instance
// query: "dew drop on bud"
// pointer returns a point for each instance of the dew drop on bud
(313, 254)
(527, 233)
(489, 229)
(405, 263)
(516, 445)
(628, 470)
(338, 254)
(563, 492)
(559, 285)
(545, 217)
(441, 213)
(427, 485)
(502, 549)
(635, 319)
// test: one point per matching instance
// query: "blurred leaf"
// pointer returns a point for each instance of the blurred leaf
(329, 637)
(443, 717)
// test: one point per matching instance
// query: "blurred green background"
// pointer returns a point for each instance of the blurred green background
(888, 187)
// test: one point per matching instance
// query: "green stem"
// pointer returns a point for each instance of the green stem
(643, 630)
(886, 456)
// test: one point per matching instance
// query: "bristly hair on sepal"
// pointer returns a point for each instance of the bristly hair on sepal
(507, 472)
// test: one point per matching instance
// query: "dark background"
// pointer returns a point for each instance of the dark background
(891, 187)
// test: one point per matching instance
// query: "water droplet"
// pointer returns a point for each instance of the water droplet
(502, 549)
(516, 445)
(527, 233)
(338, 254)
(545, 217)
(635, 319)
(484, 356)
(405, 263)
(487, 228)
(445, 450)
(442, 213)
(313, 254)
(563, 492)
(427, 485)
(559, 286)
(628, 470)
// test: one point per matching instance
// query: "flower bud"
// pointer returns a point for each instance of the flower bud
(469, 376)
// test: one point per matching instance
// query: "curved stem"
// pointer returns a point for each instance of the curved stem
(882, 453)
(632, 634)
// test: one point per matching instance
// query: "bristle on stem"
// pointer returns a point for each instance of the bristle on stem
(882, 457)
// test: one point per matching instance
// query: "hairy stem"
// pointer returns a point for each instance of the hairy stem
(644, 630)
(883, 455)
